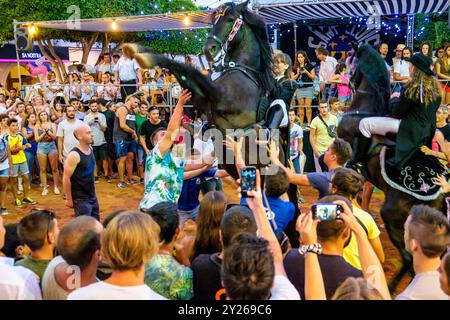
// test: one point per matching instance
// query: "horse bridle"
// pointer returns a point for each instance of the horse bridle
(220, 56)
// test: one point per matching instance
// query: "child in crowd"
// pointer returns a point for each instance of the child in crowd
(6, 171)
(342, 80)
(18, 143)
(335, 105)
(277, 201)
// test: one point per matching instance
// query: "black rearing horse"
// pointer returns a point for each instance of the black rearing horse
(239, 51)
(371, 98)
(236, 94)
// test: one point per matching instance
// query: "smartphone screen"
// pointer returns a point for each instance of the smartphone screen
(325, 211)
(248, 180)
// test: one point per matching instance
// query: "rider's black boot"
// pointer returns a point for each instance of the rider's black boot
(361, 146)
(273, 121)
(275, 117)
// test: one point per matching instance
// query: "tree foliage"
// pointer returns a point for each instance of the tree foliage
(433, 28)
(177, 42)
(37, 10)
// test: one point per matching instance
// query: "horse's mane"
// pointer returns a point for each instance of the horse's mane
(371, 66)
(257, 25)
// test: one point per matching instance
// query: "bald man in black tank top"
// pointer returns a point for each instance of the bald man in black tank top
(78, 178)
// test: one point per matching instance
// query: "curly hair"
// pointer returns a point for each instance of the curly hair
(421, 81)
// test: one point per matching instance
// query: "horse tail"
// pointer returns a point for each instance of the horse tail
(185, 74)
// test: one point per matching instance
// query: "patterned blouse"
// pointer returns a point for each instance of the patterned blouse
(167, 277)
(163, 178)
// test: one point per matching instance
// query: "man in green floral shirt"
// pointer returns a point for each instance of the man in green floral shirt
(163, 172)
(168, 273)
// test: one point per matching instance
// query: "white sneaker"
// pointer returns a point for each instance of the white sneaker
(4, 211)
(56, 191)
(44, 192)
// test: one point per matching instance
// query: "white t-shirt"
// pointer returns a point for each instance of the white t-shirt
(105, 68)
(127, 69)
(425, 286)
(295, 134)
(99, 135)
(402, 68)
(18, 283)
(4, 163)
(105, 291)
(283, 289)
(2, 108)
(51, 290)
(65, 130)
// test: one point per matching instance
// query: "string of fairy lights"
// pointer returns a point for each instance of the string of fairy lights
(395, 25)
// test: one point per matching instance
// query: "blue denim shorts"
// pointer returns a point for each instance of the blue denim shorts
(22, 167)
(140, 154)
(123, 147)
(46, 148)
(345, 98)
(186, 215)
(4, 173)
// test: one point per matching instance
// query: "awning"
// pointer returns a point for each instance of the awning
(284, 11)
(154, 22)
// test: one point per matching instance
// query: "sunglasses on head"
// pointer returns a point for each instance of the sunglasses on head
(50, 215)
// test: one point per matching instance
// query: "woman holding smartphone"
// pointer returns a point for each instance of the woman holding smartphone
(45, 134)
(305, 73)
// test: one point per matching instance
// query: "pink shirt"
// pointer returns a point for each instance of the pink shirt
(344, 89)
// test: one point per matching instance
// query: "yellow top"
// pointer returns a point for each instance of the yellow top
(323, 139)
(351, 250)
(18, 140)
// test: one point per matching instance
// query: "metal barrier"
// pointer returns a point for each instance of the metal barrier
(167, 91)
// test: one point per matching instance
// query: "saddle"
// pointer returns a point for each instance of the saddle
(415, 177)
(378, 142)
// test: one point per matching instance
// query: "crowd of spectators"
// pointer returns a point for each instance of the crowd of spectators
(186, 241)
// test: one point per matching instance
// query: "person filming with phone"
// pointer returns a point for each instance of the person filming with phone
(332, 237)
(97, 122)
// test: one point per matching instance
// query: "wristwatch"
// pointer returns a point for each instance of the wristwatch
(311, 248)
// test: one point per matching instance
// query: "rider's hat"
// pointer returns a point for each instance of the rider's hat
(422, 62)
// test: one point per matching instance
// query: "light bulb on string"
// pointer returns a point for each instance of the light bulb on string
(186, 20)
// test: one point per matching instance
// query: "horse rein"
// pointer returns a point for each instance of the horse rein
(220, 57)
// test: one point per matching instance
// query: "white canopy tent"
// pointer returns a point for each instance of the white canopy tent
(274, 11)
(152, 22)
(285, 11)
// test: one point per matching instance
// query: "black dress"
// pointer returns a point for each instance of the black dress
(417, 127)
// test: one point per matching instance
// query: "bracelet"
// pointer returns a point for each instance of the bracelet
(310, 248)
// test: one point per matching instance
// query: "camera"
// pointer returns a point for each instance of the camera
(248, 180)
(96, 119)
(326, 211)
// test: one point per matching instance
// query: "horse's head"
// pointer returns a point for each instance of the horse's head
(227, 21)
(370, 81)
